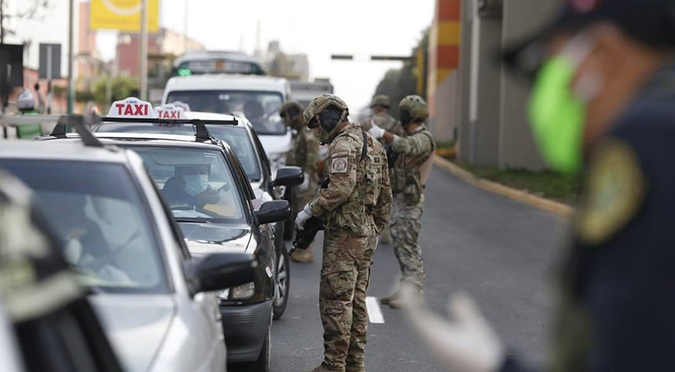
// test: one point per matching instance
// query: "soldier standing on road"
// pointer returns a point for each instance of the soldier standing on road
(380, 105)
(603, 105)
(413, 154)
(304, 154)
(354, 208)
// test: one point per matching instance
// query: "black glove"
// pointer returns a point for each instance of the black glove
(304, 237)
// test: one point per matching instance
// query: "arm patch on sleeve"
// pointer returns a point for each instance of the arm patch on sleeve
(339, 165)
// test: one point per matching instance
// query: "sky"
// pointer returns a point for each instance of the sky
(318, 28)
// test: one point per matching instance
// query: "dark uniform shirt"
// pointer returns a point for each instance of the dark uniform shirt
(616, 311)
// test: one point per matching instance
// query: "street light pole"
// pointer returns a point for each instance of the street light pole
(144, 50)
(71, 53)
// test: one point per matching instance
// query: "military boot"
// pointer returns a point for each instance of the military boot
(387, 300)
(324, 368)
(385, 238)
(397, 303)
(303, 255)
(355, 368)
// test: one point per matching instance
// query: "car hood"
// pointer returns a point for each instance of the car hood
(206, 238)
(276, 144)
(136, 325)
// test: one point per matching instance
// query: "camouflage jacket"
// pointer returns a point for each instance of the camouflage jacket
(413, 150)
(358, 194)
(305, 152)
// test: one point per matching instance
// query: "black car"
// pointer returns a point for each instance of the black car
(185, 167)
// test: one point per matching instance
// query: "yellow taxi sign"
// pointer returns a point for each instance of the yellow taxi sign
(122, 15)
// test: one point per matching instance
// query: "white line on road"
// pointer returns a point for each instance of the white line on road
(374, 312)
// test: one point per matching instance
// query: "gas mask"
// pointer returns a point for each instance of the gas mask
(196, 184)
(405, 116)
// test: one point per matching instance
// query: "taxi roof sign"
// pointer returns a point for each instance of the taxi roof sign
(170, 111)
(131, 108)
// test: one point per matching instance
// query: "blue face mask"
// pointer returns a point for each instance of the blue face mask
(196, 184)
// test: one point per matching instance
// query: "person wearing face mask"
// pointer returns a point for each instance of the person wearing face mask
(603, 107)
(190, 186)
(304, 154)
(380, 105)
(413, 152)
(354, 208)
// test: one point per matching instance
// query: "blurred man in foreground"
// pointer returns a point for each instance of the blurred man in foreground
(304, 154)
(603, 103)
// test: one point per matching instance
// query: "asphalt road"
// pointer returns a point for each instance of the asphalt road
(500, 251)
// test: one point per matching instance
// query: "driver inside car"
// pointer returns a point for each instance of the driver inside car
(190, 186)
(85, 244)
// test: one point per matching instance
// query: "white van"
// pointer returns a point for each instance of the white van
(258, 98)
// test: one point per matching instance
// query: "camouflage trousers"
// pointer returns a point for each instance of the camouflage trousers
(345, 277)
(405, 225)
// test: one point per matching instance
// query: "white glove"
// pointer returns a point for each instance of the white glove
(376, 131)
(466, 343)
(303, 216)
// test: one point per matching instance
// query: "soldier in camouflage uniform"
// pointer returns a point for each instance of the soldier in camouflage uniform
(413, 152)
(304, 154)
(380, 105)
(354, 208)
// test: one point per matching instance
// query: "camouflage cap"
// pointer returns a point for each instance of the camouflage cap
(419, 111)
(321, 103)
(380, 100)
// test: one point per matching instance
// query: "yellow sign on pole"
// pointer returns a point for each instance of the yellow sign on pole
(122, 15)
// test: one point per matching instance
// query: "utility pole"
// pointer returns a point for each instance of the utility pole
(144, 50)
(2, 21)
(71, 53)
(185, 28)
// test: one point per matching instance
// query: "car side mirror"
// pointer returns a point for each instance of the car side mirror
(220, 271)
(273, 211)
(289, 176)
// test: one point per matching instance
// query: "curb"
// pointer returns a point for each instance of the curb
(511, 193)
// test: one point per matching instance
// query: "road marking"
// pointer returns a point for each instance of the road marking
(374, 313)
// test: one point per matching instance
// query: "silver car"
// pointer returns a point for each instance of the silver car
(155, 301)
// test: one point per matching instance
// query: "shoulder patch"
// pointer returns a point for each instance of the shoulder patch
(339, 165)
(615, 190)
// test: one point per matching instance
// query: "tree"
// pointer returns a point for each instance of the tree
(402, 82)
(120, 88)
(30, 9)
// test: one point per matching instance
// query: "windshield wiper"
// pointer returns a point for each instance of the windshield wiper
(193, 220)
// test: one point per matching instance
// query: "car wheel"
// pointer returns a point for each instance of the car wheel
(282, 283)
(263, 362)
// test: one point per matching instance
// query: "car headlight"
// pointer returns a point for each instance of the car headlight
(239, 293)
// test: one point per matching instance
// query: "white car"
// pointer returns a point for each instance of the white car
(156, 302)
(258, 98)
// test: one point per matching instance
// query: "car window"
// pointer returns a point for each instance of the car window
(98, 216)
(197, 184)
(260, 108)
(236, 137)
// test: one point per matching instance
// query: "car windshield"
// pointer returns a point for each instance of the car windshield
(260, 108)
(236, 137)
(217, 66)
(197, 184)
(96, 212)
